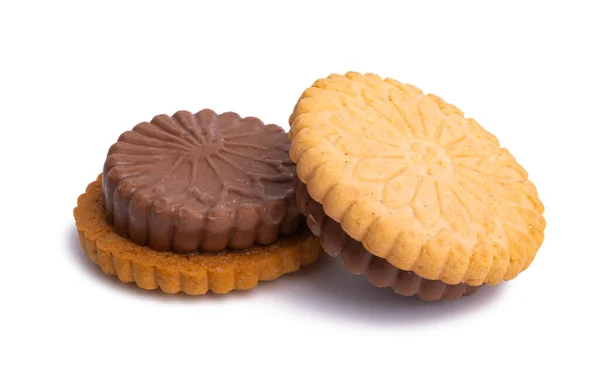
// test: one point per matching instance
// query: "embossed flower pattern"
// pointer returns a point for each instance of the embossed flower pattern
(419, 170)
(202, 159)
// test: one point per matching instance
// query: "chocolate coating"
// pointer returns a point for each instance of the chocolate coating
(200, 182)
(355, 257)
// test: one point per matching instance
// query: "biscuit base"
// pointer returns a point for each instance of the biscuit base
(194, 274)
(359, 261)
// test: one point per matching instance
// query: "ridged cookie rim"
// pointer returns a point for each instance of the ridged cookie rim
(405, 283)
(194, 274)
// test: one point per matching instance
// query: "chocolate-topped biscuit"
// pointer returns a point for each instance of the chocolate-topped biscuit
(200, 182)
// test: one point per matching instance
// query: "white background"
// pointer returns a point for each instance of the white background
(74, 76)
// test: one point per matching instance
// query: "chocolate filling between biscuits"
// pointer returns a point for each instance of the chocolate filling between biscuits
(337, 243)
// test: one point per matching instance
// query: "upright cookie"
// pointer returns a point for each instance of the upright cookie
(415, 182)
(200, 182)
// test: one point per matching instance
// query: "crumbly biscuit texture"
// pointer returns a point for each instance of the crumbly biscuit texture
(193, 274)
(414, 181)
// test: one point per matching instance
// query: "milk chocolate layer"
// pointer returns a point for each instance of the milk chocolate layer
(200, 182)
(337, 243)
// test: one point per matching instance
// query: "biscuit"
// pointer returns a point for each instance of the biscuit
(414, 181)
(193, 274)
(200, 182)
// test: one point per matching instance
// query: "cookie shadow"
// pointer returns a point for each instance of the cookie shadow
(94, 273)
(324, 288)
(327, 288)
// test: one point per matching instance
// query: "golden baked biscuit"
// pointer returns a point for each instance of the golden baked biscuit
(414, 181)
(193, 274)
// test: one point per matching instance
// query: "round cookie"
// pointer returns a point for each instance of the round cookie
(413, 181)
(193, 274)
(200, 182)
